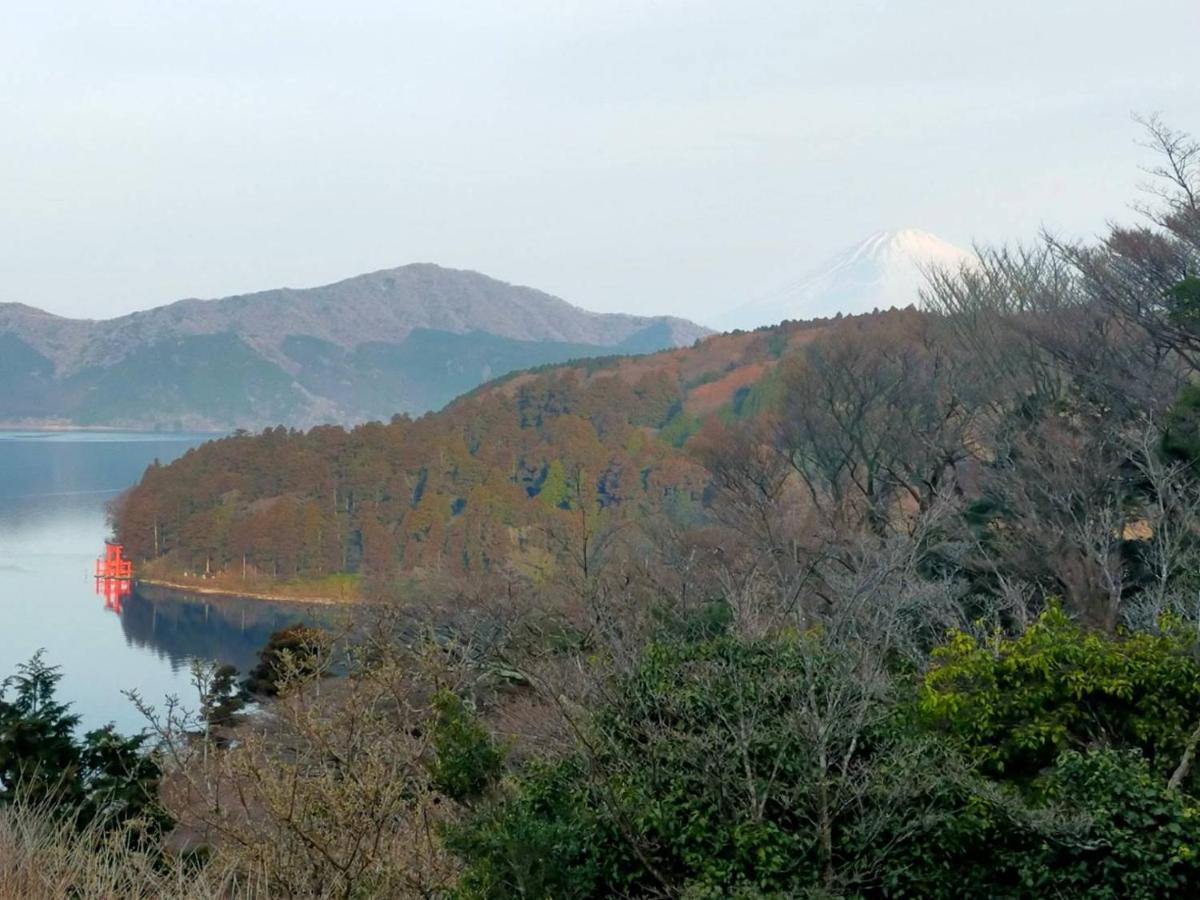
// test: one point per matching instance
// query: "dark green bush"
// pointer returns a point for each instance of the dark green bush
(468, 761)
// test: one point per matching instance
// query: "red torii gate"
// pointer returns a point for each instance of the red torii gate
(113, 563)
(114, 576)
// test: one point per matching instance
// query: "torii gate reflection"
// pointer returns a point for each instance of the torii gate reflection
(113, 590)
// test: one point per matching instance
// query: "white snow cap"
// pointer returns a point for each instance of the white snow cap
(883, 271)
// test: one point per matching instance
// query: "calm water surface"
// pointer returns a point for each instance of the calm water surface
(53, 492)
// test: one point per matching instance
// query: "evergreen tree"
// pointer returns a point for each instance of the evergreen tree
(103, 777)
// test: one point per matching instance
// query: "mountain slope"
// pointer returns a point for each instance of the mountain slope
(473, 488)
(493, 483)
(400, 340)
(883, 271)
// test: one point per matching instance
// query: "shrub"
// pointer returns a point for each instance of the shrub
(295, 652)
(1014, 704)
(467, 761)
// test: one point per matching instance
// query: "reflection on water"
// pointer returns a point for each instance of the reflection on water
(179, 628)
(113, 590)
(53, 491)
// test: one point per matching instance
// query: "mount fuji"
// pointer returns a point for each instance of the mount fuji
(885, 270)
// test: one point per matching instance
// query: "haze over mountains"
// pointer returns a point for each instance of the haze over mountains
(399, 340)
(403, 340)
(885, 270)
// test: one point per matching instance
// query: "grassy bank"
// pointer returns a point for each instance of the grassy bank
(339, 587)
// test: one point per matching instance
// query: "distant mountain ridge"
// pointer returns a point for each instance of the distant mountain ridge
(406, 340)
(884, 270)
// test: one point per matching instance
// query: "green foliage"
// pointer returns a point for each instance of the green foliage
(555, 491)
(1181, 435)
(1015, 703)
(468, 761)
(102, 779)
(1104, 825)
(1183, 301)
(697, 776)
(542, 841)
(1074, 734)
(223, 698)
(681, 426)
(38, 751)
(1134, 838)
(675, 746)
(119, 781)
(297, 651)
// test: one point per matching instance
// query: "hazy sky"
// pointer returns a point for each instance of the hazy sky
(649, 157)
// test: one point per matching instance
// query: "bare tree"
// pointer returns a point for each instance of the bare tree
(1176, 177)
(874, 421)
(1079, 347)
(318, 795)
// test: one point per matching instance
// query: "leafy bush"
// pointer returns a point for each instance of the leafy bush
(297, 651)
(1029, 765)
(1135, 838)
(1103, 824)
(543, 839)
(1015, 703)
(701, 776)
(468, 761)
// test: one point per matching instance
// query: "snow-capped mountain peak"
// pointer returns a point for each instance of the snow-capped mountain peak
(884, 270)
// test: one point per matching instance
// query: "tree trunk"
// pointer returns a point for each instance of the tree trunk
(825, 825)
(1185, 763)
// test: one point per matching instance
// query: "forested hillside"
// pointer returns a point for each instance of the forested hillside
(486, 486)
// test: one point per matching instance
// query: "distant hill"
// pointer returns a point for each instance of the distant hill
(885, 270)
(404, 340)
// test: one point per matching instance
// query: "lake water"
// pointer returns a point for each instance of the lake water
(54, 487)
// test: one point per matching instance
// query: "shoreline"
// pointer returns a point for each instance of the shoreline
(201, 590)
(45, 428)
(51, 426)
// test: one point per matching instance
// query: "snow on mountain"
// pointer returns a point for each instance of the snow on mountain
(885, 270)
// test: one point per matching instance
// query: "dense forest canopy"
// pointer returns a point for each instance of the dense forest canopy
(471, 489)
